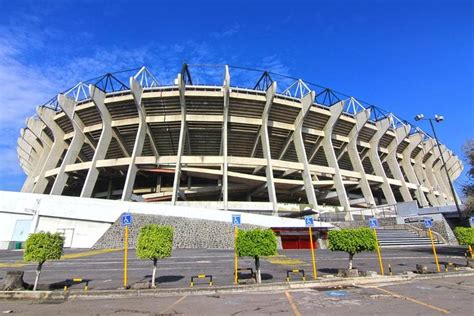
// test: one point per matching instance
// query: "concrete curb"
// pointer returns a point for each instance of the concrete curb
(272, 287)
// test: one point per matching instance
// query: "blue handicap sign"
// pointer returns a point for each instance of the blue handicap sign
(471, 220)
(373, 223)
(236, 220)
(308, 221)
(126, 219)
(428, 222)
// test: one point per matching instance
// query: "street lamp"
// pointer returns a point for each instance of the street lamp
(437, 119)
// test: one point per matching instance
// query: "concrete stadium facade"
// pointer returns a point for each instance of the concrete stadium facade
(226, 144)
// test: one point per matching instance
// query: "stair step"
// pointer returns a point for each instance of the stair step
(402, 238)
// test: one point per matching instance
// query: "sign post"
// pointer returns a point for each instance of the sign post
(236, 222)
(309, 222)
(126, 220)
(428, 224)
(373, 223)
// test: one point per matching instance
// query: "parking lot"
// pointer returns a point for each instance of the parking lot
(452, 295)
(105, 270)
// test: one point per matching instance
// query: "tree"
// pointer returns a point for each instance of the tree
(256, 243)
(468, 186)
(154, 242)
(40, 247)
(465, 235)
(352, 241)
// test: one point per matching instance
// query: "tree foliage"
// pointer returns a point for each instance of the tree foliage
(155, 242)
(468, 186)
(465, 235)
(352, 241)
(42, 246)
(256, 243)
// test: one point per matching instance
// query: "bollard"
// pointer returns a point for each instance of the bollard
(300, 271)
(200, 276)
(86, 285)
(390, 269)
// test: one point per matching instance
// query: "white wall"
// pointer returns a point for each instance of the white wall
(7, 226)
(90, 218)
(85, 235)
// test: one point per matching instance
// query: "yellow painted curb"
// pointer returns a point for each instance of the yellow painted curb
(89, 253)
(19, 264)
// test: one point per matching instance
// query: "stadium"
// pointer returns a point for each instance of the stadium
(232, 139)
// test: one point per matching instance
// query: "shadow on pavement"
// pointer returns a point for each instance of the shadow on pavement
(167, 278)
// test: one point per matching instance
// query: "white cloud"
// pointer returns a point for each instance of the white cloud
(34, 68)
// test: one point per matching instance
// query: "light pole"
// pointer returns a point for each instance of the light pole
(437, 119)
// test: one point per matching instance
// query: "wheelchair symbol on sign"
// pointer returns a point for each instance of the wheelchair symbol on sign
(126, 219)
(236, 220)
(308, 220)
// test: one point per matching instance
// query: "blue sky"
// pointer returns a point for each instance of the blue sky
(404, 56)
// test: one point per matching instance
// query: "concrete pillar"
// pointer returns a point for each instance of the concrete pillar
(361, 118)
(306, 103)
(429, 148)
(415, 140)
(421, 172)
(28, 156)
(68, 105)
(137, 92)
(47, 116)
(331, 158)
(393, 164)
(266, 147)
(182, 134)
(382, 128)
(98, 98)
(34, 136)
(440, 173)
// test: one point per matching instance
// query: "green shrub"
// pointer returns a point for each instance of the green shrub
(256, 243)
(40, 247)
(154, 242)
(352, 241)
(465, 235)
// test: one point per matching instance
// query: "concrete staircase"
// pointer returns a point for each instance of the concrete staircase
(402, 238)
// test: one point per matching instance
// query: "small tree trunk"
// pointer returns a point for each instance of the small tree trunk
(38, 272)
(351, 256)
(153, 285)
(257, 269)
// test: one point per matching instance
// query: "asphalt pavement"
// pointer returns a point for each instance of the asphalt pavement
(449, 295)
(105, 270)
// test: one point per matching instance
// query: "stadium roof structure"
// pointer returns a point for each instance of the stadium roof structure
(210, 136)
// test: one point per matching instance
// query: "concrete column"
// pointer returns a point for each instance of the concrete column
(382, 128)
(34, 136)
(331, 158)
(415, 140)
(68, 105)
(393, 164)
(182, 134)
(306, 103)
(361, 118)
(36, 128)
(429, 148)
(440, 173)
(225, 123)
(266, 147)
(98, 98)
(421, 172)
(28, 156)
(137, 92)
(47, 116)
